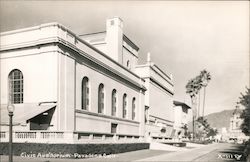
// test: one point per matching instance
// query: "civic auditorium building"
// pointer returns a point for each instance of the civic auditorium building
(81, 88)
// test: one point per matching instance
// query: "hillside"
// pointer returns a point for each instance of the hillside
(218, 119)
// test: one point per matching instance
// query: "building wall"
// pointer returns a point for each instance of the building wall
(128, 56)
(114, 38)
(66, 91)
(180, 119)
(103, 123)
(184, 116)
(159, 99)
(39, 68)
(39, 85)
(160, 103)
(235, 122)
(93, 122)
(178, 116)
(95, 79)
(74, 66)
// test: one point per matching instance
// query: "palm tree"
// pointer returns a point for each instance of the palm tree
(192, 88)
(205, 78)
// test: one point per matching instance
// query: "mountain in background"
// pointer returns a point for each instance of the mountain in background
(220, 119)
(217, 120)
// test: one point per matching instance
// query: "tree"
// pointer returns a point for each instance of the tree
(205, 78)
(192, 88)
(212, 132)
(244, 100)
(205, 130)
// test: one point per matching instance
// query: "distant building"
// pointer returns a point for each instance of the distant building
(81, 88)
(181, 117)
(235, 131)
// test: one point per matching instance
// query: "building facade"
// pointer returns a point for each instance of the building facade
(79, 88)
(235, 132)
(158, 100)
(181, 118)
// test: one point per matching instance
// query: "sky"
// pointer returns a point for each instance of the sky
(183, 37)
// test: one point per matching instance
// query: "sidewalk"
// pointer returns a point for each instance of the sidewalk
(183, 155)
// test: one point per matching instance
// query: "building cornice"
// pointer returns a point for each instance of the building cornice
(160, 85)
(128, 41)
(57, 39)
(105, 116)
(159, 72)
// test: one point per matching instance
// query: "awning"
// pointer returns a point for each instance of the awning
(23, 112)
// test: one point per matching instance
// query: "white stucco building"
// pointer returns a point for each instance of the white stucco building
(158, 100)
(80, 87)
(235, 131)
(180, 117)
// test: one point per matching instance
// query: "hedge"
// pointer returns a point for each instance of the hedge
(63, 149)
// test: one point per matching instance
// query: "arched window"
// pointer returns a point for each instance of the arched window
(101, 98)
(114, 103)
(124, 106)
(16, 87)
(85, 93)
(133, 109)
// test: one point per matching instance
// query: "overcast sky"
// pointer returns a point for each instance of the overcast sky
(182, 37)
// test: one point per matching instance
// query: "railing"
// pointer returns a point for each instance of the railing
(38, 136)
(69, 137)
(91, 137)
(162, 139)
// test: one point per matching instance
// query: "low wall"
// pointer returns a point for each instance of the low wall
(69, 150)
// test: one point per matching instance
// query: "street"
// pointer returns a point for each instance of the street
(213, 152)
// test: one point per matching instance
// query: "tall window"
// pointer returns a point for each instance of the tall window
(133, 109)
(16, 87)
(114, 103)
(124, 106)
(85, 93)
(101, 98)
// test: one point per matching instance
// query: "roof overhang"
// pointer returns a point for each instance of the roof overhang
(178, 103)
(23, 112)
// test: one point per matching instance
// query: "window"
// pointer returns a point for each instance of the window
(101, 98)
(113, 128)
(124, 106)
(112, 22)
(128, 65)
(85, 93)
(16, 87)
(236, 124)
(114, 103)
(133, 109)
